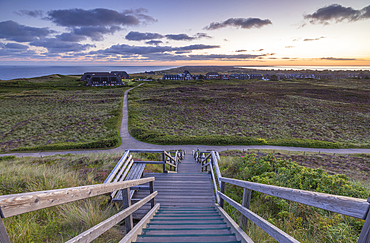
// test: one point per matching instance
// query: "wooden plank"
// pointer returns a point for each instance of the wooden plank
(151, 186)
(122, 169)
(214, 184)
(353, 207)
(269, 228)
(234, 227)
(217, 168)
(114, 193)
(146, 151)
(138, 229)
(150, 162)
(365, 232)
(126, 203)
(116, 168)
(4, 238)
(16, 204)
(94, 232)
(222, 189)
(247, 194)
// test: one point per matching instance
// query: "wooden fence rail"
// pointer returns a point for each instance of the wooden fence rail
(15, 204)
(354, 207)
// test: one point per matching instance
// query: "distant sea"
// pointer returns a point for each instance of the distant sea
(12, 71)
(8, 72)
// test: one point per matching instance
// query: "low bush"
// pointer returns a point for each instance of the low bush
(302, 222)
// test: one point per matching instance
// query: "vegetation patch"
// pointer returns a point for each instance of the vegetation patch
(305, 223)
(58, 113)
(291, 113)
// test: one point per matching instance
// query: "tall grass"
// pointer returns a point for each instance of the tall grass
(305, 223)
(60, 223)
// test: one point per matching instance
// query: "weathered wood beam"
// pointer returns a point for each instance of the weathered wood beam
(4, 238)
(247, 194)
(117, 167)
(350, 206)
(27, 202)
(269, 228)
(149, 162)
(94, 232)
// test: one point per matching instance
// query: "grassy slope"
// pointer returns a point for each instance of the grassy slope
(58, 112)
(306, 224)
(289, 113)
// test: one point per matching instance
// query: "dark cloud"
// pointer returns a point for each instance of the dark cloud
(259, 50)
(16, 46)
(203, 35)
(338, 59)
(137, 36)
(154, 42)
(240, 50)
(239, 22)
(124, 49)
(13, 31)
(53, 45)
(337, 13)
(30, 13)
(95, 32)
(315, 39)
(98, 17)
(70, 37)
(179, 37)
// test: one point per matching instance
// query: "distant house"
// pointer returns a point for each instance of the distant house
(212, 75)
(224, 76)
(88, 75)
(121, 74)
(151, 73)
(104, 80)
(181, 76)
(240, 76)
(256, 76)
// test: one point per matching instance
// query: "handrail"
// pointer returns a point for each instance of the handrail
(354, 207)
(349, 206)
(16, 204)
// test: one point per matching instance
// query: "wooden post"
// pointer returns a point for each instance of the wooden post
(365, 232)
(164, 162)
(126, 202)
(4, 238)
(151, 189)
(222, 189)
(246, 203)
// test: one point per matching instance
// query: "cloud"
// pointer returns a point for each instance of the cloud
(338, 59)
(16, 46)
(98, 17)
(315, 39)
(240, 50)
(137, 36)
(239, 22)
(259, 50)
(13, 31)
(185, 37)
(70, 37)
(95, 32)
(31, 13)
(53, 45)
(288, 47)
(337, 13)
(123, 49)
(154, 42)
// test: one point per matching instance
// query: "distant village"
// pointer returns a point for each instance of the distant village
(114, 78)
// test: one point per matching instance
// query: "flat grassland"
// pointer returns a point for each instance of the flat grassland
(309, 113)
(58, 112)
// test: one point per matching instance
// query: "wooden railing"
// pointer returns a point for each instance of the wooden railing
(15, 204)
(354, 207)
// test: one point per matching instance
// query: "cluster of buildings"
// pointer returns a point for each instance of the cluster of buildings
(112, 78)
(265, 76)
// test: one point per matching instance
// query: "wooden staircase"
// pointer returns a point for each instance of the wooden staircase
(187, 210)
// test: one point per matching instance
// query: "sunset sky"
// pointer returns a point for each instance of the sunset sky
(192, 32)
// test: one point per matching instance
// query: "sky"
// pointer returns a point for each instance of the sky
(191, 32)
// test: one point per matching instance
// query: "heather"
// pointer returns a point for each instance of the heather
(306, 113)
(58, 113)
(305, 223)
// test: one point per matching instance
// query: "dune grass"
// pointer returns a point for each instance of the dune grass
(305, 223)
(302, 113)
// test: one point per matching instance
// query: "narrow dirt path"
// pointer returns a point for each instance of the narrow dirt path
(128, 142)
